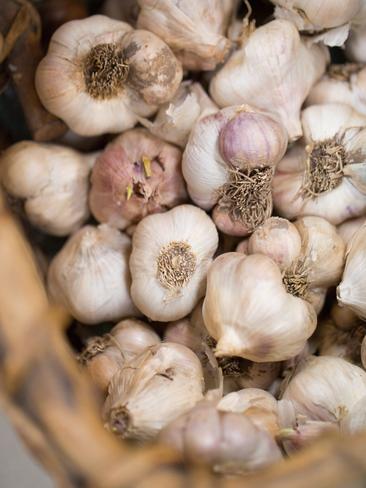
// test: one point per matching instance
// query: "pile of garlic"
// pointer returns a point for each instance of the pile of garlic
(212, 250)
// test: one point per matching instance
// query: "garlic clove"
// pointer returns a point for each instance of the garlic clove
(170, 257)
(242, 318)
(132, 337)
(103, 366)
(343, 317)
(90, 275)
(151, 390)
(348, 229)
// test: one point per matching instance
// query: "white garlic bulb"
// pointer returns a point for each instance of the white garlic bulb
(332, 17)
(230, 442)
(99, 75)
(153, 389)
(137, 174)
(259, 405)
(90, 275)
(175, 119)
(348, 228)
(229, 162)
(194, 31)
(343, 83)
(323, 175)
(53, 182)
(343, 317)
(326, 388)
(274, 70)
(171, 253)
(248, 311)
(351, 291)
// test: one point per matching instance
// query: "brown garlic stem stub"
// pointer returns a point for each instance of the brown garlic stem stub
(295, 279)
(176, 264)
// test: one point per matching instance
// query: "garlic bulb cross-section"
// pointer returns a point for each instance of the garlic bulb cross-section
(274, 70)
(90, 275)
(99, 75)
(248, 311)
(53, 182)
(136, 174)
(171, 253)
(229, 162)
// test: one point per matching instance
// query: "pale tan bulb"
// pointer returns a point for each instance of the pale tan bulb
(52, 180)
(194, 31)
(229, 162)
(99, 75)
(351, 291)
(175, 119)
(227, 441)
(343, 83)
(274, 70)
(132, 337)
(249, 313)
(171, 254)
(259, 405)
(102, 366)
(153, 389)
(348, 228)
(334, 135)
(356, 45)
(90, 275)
(343, 317)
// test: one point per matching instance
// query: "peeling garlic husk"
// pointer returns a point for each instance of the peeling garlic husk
(248, 311)
(175, 119)
(343, 317)
(274, 70)
(153, 389)
(351, 291)
(194, 31)
(229, 442)
(53, 182)
(256, 404)
(348, 228)
(331, 18)
(137, 174)
(139, 72)
(343, 83)
(334, 135)
(90, 275)
(229, 162)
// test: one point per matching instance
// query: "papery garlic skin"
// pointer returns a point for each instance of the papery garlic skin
(90, 275)
(274, 70)
(228, 441)
(229, 162)
(195, 32)
(153, 389)
(139, 72)
(137, 174)
(351, 291)
(250, 314)
(132, 337)
(175, 119)
(103, 366)
(171, 254)
(296, 191)
(52, 180)
(348, 228)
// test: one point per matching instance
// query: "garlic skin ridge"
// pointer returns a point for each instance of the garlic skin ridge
(52, 180)
(139, 72)
(273, 56)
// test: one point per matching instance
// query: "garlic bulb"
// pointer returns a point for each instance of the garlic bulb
(194, 31)
(355, 45)
(153, 389)
(249, 312)
(99, 75)
(243, 246)
(348, 228)
(104, 356)
(229, 162)
(326, 388)
(175, 119)
(171, 253)
(332, 17)
(343, 318)
(351, 291)
(90, 275)
(274, 70)
(343, 83)
(230, 442)
(258, 405)
(323, 174)
(53, 182)
(137, 174)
